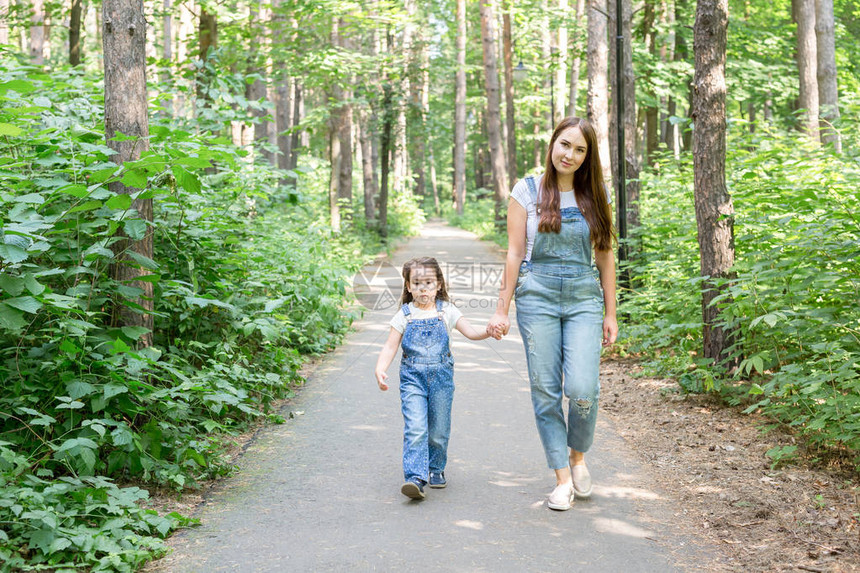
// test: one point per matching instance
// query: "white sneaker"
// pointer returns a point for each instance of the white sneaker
(581, 481)
(561, 497)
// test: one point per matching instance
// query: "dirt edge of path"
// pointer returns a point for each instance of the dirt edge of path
(709, 459)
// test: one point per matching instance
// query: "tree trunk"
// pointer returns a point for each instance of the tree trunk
(340, 140)
(714, 210)
(208, 30)
(74, 33)
(257, 91)
(37, 33)
(420, 87)
(577, 59)
(367, 166)
(494, 117)
(547, 80)
(283, 120)
(651, 111)
(400, 148)
(385, 141)
(297, 118)
(335, 158)
(126, 113)
(460, 111)
(682, 54)
(598, 98)
(803, 12)
(561, 63)
(509, 97)
(828, 97)
(167, 53)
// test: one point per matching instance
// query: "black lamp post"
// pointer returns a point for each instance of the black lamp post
(622, 159)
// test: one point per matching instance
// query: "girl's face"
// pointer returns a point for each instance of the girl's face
(569, 151)
(422, 286)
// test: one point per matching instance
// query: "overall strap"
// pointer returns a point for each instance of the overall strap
(405, 309)
(439, 310)
(530, 181)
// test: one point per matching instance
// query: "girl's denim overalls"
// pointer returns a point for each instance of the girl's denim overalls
(559, 305)
(426, 394)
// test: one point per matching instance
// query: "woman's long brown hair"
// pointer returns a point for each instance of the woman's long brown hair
(588, 187)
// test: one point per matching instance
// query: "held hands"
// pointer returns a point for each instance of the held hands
(498, 326)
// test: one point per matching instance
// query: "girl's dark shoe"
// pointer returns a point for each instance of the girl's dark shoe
(413, 489)
(437, 481)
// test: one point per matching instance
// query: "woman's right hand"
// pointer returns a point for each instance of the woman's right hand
(499, 325)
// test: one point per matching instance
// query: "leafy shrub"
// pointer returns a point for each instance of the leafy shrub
(247, 279)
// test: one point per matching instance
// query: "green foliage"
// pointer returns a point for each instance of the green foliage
(478, 217)
(791, 305)
(247, 279)
(69, 523)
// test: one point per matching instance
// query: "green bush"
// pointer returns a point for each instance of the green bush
(247, 279)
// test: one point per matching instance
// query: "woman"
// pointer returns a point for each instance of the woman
(563, 312)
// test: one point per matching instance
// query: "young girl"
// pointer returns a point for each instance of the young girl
(421, 327)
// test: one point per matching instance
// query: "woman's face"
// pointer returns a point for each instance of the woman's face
(569, 151)
(422, 286)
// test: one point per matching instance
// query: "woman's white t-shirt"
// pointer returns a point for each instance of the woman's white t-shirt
(450, 313)
(522, 196)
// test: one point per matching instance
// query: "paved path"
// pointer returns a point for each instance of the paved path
(322, 492)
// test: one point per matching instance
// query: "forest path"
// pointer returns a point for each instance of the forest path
(322, 491)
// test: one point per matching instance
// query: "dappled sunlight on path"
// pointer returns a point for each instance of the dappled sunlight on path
(322, 492)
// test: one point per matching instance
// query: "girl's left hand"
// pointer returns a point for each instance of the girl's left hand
(610, 330)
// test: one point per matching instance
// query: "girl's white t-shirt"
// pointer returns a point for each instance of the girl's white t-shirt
(521, 194)
(450, 313)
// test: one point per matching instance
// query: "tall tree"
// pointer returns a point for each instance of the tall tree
(494, 117)
(560, 40)
(576, 52)
(75, 33)
(126, 132)
(366, 124)
(340, 138)
(283, 90)
(508, 51)
(598, 97)
(828, 97)
(651, 111)
(460, 111)
(167, 51)
(385, 141)
(400, 149)
(37, 33)
(419, 118)
(803, 12)
(298, 113)
(714, 209)
(208, 39)
(256, 91)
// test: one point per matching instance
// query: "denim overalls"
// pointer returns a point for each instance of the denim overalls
(559, 305)
(426, 394)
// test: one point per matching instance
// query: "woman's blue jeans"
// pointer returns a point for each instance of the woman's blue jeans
(560, 317)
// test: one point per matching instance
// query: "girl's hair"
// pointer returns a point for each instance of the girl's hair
(588, 186)
(429, 263)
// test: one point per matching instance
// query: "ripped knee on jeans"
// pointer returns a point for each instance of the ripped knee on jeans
(583, 406)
